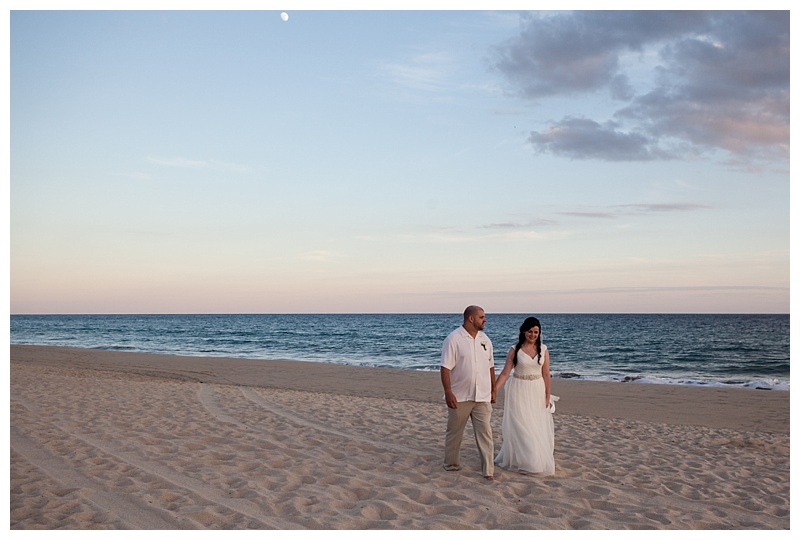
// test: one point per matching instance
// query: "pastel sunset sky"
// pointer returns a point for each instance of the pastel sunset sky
(398, 161)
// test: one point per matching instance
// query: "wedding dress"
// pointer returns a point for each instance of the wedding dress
(527, 424)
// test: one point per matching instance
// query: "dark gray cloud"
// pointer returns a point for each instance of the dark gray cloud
(575, 52)
(582, 138)
(720, 81)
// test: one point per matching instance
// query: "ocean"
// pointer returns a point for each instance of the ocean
(705, 350)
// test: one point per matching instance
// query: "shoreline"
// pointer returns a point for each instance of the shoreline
(674, 404)
(118, 440)
(776, 384)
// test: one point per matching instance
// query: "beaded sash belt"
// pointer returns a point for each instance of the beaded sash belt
(528, 377)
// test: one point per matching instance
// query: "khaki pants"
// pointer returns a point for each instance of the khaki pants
(481, 414)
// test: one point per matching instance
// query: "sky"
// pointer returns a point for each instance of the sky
(356, 161)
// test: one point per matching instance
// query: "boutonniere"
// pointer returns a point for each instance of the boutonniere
(483, 344)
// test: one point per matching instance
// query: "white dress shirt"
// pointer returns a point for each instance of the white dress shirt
(469, 361)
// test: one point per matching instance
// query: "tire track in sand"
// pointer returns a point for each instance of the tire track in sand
(206, 396)
(137, 515)
(427, 496)
(262, 402)
(66, 473)
(208, 400)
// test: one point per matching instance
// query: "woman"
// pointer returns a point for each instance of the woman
(527, 420)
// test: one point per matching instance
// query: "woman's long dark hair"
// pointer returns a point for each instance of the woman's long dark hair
(529, 323)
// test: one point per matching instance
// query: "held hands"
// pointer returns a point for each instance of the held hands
(450, 399)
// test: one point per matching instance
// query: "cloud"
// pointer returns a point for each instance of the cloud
(592, 215)
(661, 208)
(178, 162)
(184, 163)
(498, 233)
(615, 211)
(428, 72)
(517, 293)
(666, 289)
(139, 176)
(575, 52)
(581, 138)
(320, 255)
(509, 225)
(713, 81)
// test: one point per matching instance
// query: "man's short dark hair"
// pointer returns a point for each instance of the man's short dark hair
(472, 311)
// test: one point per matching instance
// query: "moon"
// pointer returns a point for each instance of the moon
(285, 16)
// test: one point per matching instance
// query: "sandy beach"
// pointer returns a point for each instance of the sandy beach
(113, 440)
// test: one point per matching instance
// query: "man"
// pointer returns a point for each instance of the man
(467, 370)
